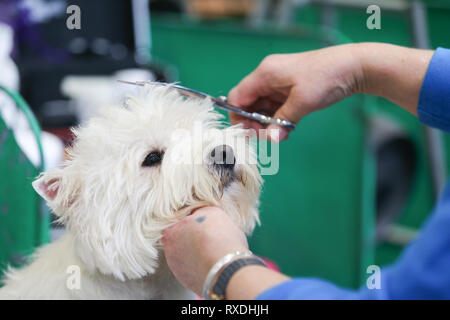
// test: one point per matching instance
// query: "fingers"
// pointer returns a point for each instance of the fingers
(265, 106)
(276, 133)
(274, 106)
(293, 109)
(267, 90)
(246, 92)
(200, 212)
(207, 210)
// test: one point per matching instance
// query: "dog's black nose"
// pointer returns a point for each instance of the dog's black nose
(223, 156)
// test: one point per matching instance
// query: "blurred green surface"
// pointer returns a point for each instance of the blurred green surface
(396, 29)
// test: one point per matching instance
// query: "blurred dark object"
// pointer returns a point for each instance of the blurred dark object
(396, 167)
(104, 44)
(166, 6)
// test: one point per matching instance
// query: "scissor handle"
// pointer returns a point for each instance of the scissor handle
(222, 101)
(269, 120)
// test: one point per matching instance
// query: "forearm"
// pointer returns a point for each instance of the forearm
(393, 72)
(262, 283)
(251, 281)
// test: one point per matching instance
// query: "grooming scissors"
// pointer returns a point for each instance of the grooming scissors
(221, 102)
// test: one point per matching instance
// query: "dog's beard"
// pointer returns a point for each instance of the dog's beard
(225, 176)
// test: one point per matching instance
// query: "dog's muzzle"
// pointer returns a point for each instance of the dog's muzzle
(223, 162)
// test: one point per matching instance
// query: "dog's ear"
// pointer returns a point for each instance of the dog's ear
(58, 189)
(47, 189)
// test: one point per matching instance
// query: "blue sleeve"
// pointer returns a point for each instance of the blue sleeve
(422, 272)
(434, 98)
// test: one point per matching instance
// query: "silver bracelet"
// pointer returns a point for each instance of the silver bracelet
(217, 267)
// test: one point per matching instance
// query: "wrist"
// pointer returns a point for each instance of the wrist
(393, 72)
(223, 270)
(360, 71)
(214, 258)
(374, 59)
(249, 282)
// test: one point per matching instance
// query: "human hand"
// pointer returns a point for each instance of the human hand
(194, 244)
(290, 86)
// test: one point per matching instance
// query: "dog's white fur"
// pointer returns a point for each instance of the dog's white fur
(115, 209)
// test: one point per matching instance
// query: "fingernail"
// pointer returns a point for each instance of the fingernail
(277, 133)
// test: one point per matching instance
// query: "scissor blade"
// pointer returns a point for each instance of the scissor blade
(183, 90)
(228, 107)
(221, 104)
(187, 91)
(134, 83)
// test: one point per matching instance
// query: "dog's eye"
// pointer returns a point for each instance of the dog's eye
(153, 158)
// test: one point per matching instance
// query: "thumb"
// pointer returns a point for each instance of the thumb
(291, 111)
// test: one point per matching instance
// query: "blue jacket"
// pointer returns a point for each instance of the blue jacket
(423, 270)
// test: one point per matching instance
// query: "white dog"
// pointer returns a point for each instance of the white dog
(132, 173)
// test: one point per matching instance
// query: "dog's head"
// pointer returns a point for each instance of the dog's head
(143, 166)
